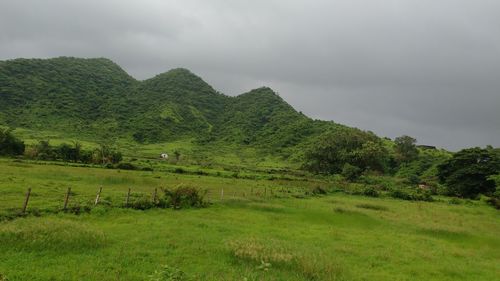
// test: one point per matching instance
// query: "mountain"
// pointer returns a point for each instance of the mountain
(96, 99)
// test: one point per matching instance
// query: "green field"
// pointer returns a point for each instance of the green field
(260, 229)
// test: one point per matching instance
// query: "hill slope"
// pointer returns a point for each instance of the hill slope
(96, 99)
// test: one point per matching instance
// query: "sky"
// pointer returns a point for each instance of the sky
(425, 68)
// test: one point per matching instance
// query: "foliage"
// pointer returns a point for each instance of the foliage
(95, 100)
(183, 197)
(371, 192)
(423, 169)
(75, 153)
(406, 149)
(331, 151)
(351, 172)
(130, 245)
(126, 166)
(9, 144)
(412, 194)
(141, 203)
(467, 173)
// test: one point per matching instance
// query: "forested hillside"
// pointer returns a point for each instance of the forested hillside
(95, 99)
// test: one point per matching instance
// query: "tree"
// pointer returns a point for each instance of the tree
(10, 145)
(468, 173)
(372, 156)
(406, 150)
(332, 150)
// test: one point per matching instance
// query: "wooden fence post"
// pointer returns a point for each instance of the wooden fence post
(25, 205)
(66, 199)
(222, 193)
(154, 195)
(98, 196)
(128, 198)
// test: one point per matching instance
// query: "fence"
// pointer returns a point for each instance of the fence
(76, 201)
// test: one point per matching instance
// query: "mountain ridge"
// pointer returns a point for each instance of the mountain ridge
(97, 99)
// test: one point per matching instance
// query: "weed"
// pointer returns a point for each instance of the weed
(372, 207)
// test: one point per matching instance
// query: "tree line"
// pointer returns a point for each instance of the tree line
(352, 153)
(12, 146)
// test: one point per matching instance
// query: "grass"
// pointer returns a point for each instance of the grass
(248, 235)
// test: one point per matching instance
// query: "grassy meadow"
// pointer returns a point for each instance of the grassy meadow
(259, 229)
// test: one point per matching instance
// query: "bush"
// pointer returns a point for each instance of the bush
(126, 166)
(495, 202)
(141, 203)
(319, 190)
(351, 172)
(10, 145)
(412, 195)
(370, 191)
(183, 197)
(179, 171)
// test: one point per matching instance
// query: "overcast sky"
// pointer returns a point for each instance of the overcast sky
(426, 68)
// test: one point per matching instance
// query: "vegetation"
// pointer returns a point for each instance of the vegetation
(347, 150)
(248, 234)
(406, 149)
(9, 144)
(74, 153)
(253, 189)
(95, 100)
(468, 173)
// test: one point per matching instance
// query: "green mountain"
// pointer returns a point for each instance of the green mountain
(96, 99)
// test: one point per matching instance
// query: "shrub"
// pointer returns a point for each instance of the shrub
(179, 171)
(78, 208)
(370, 191)
(10, 145)
(495, 202)
(454, 201)
(319, 190)
(126, 166)
(412, 195)
(141, 203)
(183, 197)
(351, 172)
(372, 207)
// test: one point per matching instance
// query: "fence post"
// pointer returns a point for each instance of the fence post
(25, 205)
(222, 193)
(154, 195)
(128, 198)
(66, 199)
(98, 196)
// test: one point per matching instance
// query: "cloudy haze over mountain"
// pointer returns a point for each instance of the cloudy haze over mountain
(429, 69)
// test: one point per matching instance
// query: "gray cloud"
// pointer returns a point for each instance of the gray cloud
(427, 68)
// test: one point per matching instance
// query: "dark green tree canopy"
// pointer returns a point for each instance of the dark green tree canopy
(331, 151)
(468, 173)
(10, 145)
(406, 149)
